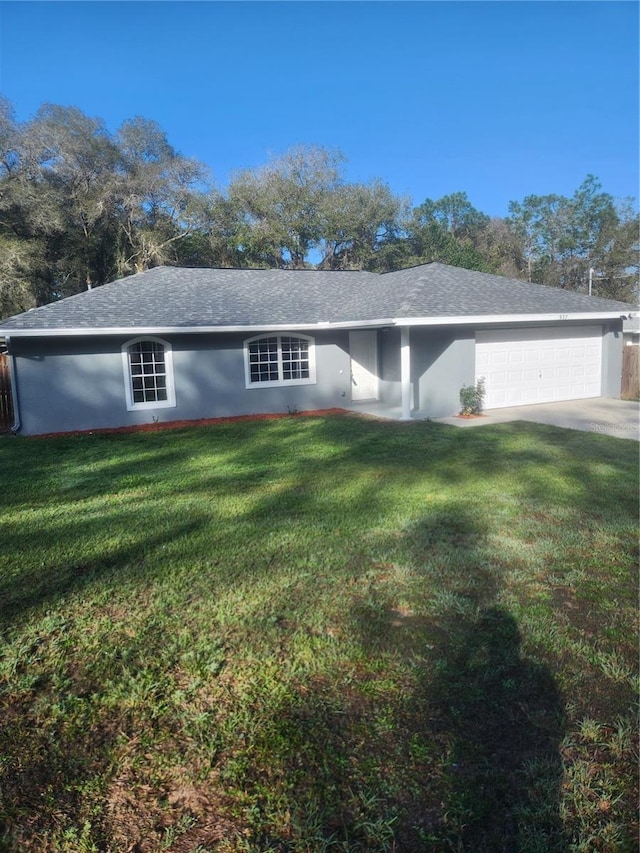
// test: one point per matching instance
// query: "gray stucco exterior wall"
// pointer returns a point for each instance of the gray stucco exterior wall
(389, 366)
(67, 384)
(442, 361)
(612, 343)
(78, 383)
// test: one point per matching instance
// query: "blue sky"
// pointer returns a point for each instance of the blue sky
(497, 99)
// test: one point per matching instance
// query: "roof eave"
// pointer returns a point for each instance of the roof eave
(110, 331)
(448, 320)
(490, 319)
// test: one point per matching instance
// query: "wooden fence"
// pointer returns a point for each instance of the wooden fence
(630, 373)
(6, 403)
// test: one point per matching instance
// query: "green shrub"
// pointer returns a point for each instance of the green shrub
(472, 398)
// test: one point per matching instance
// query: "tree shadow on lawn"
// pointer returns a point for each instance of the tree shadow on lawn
(505, 720)
(46, 773)
(448, 737)
(478, 733)
(33, 588)
(497, 716)
(37, 470)
(535, 455)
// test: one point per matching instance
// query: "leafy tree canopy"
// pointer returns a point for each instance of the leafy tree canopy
(80, 205)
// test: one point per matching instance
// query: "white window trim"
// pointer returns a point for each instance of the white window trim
(170, 402)
(279, 383)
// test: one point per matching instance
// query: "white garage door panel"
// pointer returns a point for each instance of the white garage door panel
(539, 365)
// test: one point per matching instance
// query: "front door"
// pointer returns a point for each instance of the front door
(363, 347)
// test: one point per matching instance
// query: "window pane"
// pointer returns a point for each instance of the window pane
(263, 360)
(148, 372)
(282, 358)
(295, 358)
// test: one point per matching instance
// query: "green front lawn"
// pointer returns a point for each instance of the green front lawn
(319, 634)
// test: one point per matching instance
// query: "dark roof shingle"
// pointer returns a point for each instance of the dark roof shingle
(174, 297)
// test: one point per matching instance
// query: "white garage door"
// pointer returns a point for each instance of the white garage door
(539, 365)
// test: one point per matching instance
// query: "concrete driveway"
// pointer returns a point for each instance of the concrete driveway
(619, 418)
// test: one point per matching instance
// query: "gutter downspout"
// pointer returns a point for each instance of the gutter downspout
(14, 388)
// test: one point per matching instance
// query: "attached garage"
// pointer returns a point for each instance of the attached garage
(539, 365)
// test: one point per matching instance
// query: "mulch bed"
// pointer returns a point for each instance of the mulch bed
(156, 427)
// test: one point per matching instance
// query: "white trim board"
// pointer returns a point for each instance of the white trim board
(471, 320)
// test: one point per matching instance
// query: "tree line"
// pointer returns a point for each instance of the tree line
(80, 206)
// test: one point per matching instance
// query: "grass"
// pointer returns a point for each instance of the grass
(319, 634)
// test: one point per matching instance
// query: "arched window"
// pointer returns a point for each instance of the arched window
(148, 373)
(279, 360)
